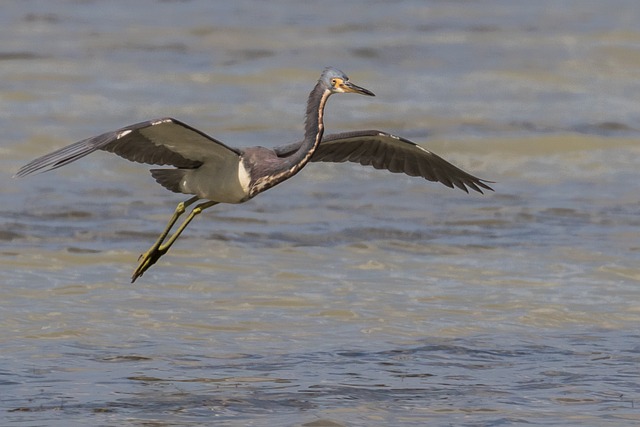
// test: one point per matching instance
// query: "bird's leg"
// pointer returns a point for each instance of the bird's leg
(150, 257)
(180, 209)
(160, 247)
(194, 212)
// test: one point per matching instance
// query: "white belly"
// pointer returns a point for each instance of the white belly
(223, 182)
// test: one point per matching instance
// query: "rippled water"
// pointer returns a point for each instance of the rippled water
(346, 296)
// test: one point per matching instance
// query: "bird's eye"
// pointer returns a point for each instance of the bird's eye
(333, 82)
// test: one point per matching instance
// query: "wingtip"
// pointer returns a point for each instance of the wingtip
(22, 172)
(485, 184)
(477, 185)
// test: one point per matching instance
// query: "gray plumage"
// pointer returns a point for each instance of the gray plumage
(383, 150)
(211, 170)
(154, 142)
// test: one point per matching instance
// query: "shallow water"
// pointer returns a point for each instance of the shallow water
(346, 296)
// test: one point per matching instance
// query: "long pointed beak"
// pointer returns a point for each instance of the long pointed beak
(350, 87)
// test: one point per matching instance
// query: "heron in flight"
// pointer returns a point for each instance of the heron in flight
(210, 170)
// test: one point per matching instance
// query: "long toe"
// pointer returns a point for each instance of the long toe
(146, 259)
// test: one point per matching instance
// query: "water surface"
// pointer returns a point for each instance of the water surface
(346, 296)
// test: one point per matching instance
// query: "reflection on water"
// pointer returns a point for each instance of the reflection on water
(347, 296)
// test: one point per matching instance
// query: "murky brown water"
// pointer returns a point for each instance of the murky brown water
(346, 296)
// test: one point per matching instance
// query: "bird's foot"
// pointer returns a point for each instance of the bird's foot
(163, 244)
(147, 259)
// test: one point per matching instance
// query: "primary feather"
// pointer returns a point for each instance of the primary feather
(396, 154)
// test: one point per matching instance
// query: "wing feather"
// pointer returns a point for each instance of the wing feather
(165, 141)
(396, 154)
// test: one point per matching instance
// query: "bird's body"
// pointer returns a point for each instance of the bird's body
(208, 169)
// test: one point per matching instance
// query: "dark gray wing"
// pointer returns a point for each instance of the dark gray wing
(163, 141)
(396, 154)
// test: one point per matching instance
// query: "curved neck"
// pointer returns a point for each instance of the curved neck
(313, 126)
(313, 130)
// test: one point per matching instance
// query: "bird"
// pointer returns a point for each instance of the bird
(209, 170)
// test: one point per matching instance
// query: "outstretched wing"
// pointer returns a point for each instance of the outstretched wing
(164, 141)
(396, 154)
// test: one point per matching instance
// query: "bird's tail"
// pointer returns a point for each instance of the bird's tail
(169, 178)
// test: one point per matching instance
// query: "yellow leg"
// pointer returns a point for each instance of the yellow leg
(159, 248)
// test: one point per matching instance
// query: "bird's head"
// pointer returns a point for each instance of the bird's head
(337, 82)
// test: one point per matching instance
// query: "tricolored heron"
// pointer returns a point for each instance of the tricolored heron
(210, 170)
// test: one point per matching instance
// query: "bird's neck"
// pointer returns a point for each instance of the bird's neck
(314, 124)
(313, 130)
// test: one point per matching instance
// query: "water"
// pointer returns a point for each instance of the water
(346, 296)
